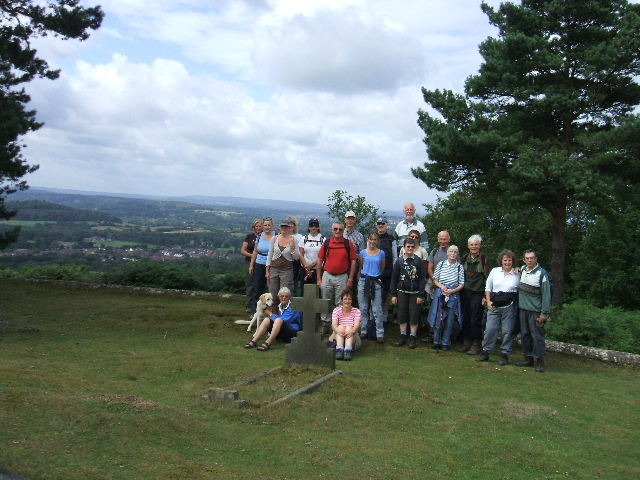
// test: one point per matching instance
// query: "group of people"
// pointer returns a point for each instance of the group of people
(357, 276)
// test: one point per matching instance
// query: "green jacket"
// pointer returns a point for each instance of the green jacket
(534, 292)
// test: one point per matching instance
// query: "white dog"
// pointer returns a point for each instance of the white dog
(265, 301)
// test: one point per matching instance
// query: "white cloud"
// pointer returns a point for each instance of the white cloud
(273, 99)
(338, 51)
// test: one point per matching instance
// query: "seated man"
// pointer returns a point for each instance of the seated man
(283, 325)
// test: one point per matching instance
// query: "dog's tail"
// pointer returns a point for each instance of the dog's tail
(242, 322)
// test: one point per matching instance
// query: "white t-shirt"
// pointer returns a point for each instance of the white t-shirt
(311, 245)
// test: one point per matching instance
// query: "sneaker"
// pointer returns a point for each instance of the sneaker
(527, 362)
(484, 357)
(347, 355)
(504, 359)
(402, 340)
(412, 341)
(340, 354)
(540, 365)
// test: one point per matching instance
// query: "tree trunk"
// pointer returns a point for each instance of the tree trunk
(558, 250)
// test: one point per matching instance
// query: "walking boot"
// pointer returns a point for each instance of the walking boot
(540, 365)
(402, 340)
(339, 354)
(504, 359)
(466, 345)
(527, 362)
(412, 341)
(484, 357)
(476, 347)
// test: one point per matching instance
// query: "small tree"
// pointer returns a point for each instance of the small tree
(340, 203)
(21, 21)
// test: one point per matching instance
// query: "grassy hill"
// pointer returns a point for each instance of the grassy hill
(106, 384)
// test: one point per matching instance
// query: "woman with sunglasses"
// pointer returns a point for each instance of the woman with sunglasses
(283, 252)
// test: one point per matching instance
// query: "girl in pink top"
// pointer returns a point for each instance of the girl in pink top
(345, 323)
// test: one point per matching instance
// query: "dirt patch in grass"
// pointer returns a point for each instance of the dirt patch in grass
(130, 400)
(519, 410)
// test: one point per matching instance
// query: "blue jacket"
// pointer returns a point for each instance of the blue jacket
(289, 316)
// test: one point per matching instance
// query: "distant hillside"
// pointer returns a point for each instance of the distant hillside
(48, 211)
(226, 212)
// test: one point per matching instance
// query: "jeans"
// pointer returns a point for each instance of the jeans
(332, 288)
(259, 284)
(502, 318)
(368, 304)
(442, 336)
(533, 343)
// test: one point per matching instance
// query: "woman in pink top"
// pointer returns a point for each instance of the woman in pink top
(345, 323)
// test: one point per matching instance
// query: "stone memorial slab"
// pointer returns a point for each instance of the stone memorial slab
(308, 348)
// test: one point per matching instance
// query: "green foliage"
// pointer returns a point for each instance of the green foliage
(340, 202)
(604, 270)
(549, 119)
(21, 22)
(584, 324)
(70, 272)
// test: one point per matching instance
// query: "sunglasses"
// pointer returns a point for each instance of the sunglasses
(409, 246)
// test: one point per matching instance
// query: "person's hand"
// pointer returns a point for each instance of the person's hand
(484, 301)
(349, 283)
(267, 274)
(543, 318)
(250, 269)
(419, 300)
(319, 282)
(394, 300)
(490, 306)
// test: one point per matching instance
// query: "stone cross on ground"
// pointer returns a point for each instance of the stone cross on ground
(308, 348)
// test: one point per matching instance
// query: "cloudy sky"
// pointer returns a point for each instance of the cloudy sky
(255, 98)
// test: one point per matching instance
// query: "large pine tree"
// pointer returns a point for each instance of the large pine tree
(547, 120)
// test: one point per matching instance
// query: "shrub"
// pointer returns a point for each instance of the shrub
(70, 272)
(585, 324)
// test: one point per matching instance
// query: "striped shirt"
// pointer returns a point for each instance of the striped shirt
(449, 274)
(349, 320)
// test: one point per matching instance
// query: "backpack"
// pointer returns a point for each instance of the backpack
(327, 249)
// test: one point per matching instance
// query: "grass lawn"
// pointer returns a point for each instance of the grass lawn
(98, 384)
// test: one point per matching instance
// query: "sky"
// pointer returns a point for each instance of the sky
(278, 99)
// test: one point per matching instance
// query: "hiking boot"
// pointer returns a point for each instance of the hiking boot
(412, 341)
(436, 346)
(527, 362)
(540, 365)
(466, 345)
(340, 354)
(484, 357)
(402, 340)
(446, 348)
(380, 340)
(476, 347)
(347, 355)
(504, 359)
